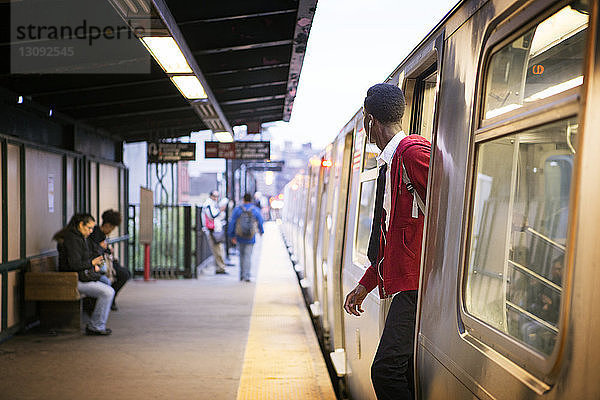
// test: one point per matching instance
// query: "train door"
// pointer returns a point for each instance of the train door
(325, 208)
(303, 202)
(309, 233)
(505, 330)
(336, 226)
(361, 333)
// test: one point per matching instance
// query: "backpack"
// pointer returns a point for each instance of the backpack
(246, 226)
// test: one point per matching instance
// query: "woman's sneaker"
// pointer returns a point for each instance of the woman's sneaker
(94, 332)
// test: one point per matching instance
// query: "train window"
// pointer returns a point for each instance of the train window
(544, 61)
(518, 232)
(423, 103)
(365, 216)
(370, 158)
(370, 151)
(429, 87)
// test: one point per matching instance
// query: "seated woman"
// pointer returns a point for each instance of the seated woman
(74, 255)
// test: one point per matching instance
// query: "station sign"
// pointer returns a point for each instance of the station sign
(252, 150)
(219, 150)
(239, 150)
(275, 166)
(171, 152)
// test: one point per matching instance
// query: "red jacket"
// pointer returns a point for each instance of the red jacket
(399, 255)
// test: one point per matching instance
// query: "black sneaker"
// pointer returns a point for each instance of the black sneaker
(114, 307)
(222, 271)
(93, 332)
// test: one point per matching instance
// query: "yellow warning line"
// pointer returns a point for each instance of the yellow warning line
(282, 359)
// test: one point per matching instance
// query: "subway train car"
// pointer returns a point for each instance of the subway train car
(508, 92)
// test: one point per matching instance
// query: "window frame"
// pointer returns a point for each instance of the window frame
(532, 367)
(418, 97)
(364, 175)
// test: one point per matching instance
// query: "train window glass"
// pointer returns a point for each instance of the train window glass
(365, 216)
(370, 158)
(515, 269)
(544, 61)
(422, 102)
(428, 111)
(370, 151)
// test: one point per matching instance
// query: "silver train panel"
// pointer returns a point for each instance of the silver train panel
(458, 344)
(458, 356)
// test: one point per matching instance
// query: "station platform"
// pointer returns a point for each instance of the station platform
(209, 338)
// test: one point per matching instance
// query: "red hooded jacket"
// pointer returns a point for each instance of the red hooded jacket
(399, 258)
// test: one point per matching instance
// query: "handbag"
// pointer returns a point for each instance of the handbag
(209, 223)
(88, 275)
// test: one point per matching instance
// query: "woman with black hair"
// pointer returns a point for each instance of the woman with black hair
(74, 255)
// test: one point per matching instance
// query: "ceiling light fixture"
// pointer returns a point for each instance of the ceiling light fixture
(224, 137)
(167, 53)
(189, 86)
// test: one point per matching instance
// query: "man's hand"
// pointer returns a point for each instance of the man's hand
(354, 300)
(97, 261)
(233, 240)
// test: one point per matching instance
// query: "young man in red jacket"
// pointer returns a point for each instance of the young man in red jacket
(396, 238)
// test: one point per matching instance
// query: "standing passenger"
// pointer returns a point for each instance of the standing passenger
(213, 227)
(75, 255)
(245, 222)
(396, 237)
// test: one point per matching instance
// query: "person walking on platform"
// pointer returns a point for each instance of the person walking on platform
(245, 223)
(74, 255)
(394, 250)
(213, 227)
(110, 220)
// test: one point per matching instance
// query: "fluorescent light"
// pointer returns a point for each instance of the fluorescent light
(556, 29)
(224, 137)
(189, 86)
(165, 51)
(552, 90)
(501, 110)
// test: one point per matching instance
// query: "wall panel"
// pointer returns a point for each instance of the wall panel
(13, 315)
(44, 203)
(2, 277)
(70, 175)
(109, 188)
(1, 222)
(93, 191)
(14, 202)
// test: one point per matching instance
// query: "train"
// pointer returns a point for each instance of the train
(507, 92)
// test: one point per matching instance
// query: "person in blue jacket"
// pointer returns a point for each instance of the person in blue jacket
(244, 224)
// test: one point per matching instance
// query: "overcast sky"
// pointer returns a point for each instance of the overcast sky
(353, 44)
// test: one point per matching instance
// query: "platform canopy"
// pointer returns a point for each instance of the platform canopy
(247, 55)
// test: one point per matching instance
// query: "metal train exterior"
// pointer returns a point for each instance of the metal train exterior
(508, 92)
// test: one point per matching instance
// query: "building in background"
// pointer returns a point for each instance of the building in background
(295, 160)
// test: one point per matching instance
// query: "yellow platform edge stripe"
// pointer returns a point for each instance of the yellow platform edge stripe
(282, 358)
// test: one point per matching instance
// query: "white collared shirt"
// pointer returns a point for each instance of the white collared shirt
(386, 157)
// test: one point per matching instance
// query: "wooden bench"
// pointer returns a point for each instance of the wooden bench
(59, 301)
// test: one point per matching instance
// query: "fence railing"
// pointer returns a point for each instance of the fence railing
(178, 242)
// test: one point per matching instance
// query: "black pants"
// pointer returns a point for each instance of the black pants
(122, 275)
(392, 370)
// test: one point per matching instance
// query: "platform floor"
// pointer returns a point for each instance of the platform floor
(210, 338)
